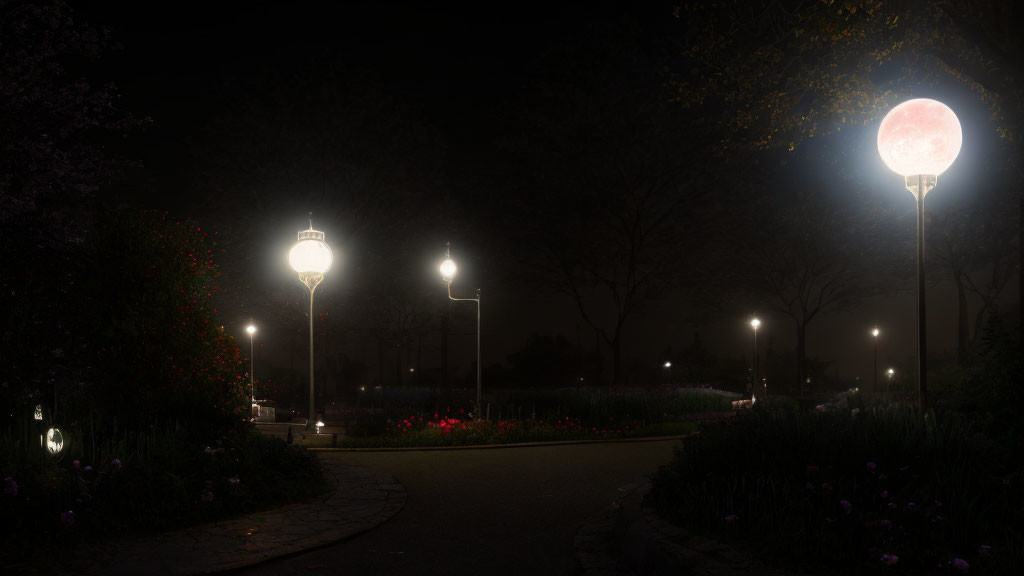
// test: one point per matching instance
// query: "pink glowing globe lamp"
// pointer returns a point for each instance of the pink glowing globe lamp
(920, 136)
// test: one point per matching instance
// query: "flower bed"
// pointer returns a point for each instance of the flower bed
(831, 490)
(146, 482)
(449, 430)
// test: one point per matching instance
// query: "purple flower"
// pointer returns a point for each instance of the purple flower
(10, 486)
(731, 518)
(116, 465)
(207, 496)
(846, 506)
(890, 559)
(871, 466)
(67, 518)
(961, 564)
(76, 464)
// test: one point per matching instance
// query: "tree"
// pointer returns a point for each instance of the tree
(820, 255)
(776, 73)
(976, 245)
(609, 193)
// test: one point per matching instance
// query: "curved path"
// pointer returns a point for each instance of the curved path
(488, 511)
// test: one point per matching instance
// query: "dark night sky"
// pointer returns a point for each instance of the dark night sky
(455, 68)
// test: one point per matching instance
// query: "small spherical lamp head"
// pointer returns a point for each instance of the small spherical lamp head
(448, 270)
(755, 323)
(668, 364)
(310, 255)
(874, 332)
(890, 372)
(250, 329)
(920, 136)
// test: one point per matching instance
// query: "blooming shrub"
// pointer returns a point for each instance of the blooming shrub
(819, 489)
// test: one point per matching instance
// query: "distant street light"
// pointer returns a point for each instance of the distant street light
(919, 139)
(311, 258)
(448, 270)
(755, 324)
(668, 371)
(251, 329)
(874, 371)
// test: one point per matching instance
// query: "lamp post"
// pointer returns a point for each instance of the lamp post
(874, 371)
(890, 372)
(668, 371)
(919, 139)
(311, 258)
(755, 324)
(448, 270)
(251, 329)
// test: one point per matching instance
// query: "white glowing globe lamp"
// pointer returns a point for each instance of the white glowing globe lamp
(448, 270)
(310, 254)
(54, 441)
(755, 323)
(250, 329)
(920, 136)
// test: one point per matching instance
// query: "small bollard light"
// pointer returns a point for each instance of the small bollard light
(319, 425)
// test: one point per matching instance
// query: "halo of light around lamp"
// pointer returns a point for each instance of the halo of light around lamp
(448, 270)
(920, 136)
(310, 254)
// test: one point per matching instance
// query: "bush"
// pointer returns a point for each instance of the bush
(814, 489)
(144, 482)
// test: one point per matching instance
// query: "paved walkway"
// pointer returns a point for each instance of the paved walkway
(485, 511)
(361, 501)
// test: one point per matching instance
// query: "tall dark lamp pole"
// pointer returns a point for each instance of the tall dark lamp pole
(919, 139)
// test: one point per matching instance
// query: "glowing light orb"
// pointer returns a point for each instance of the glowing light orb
(250, 329)
(874, 332)
(310, 254)
(920, 136)
(54, 441)
(448, 270)
(755, 323)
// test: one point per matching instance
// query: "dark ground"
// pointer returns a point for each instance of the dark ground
(491, 511)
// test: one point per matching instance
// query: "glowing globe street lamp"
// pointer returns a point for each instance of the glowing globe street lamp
(251, 329)
(919, 139)
(311, 258)
(448, 270)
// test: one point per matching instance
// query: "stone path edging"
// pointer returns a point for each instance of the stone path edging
(361, 501)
